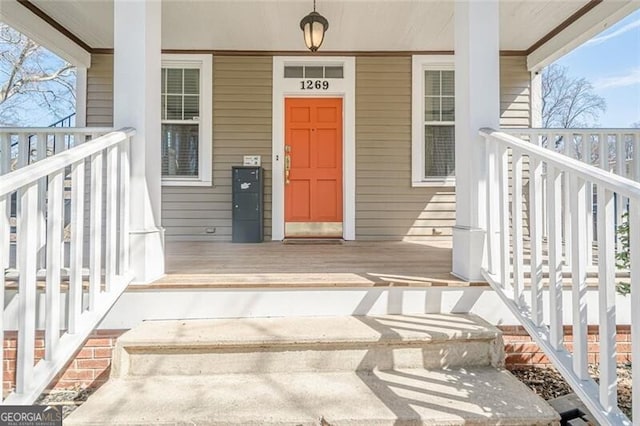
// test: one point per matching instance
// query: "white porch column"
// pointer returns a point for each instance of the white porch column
(136, 93)
(81, 96)
(536, 99)
(477, 74)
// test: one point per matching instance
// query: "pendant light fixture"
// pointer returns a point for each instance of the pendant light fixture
(314, 26)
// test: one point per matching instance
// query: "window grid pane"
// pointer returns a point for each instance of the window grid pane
(180, 101)
(439, 139)
(180, 150)
(439, 154)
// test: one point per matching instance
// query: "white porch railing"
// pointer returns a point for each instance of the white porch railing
(40, 241)
(506, 160)
(614, 150)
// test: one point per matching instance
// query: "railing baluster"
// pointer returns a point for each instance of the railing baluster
(577, 192)
(58, 143)
(5, 209)
(503, 195)
(607, 285)
(28, 247)
(112, 216)
(554, 190)
(75, 263)
(5, 235)
(607, 296)
(516, 227)
(24, 151)
(566, 211)
(621, 202)
(634, 244)
(41, 154)
(635, 158)
(123, 262)
(21, 161)
(55, 221)
(535, 236)
(586, 158)
(95, 236)
(493, 260)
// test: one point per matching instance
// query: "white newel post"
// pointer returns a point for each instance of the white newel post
(477, 103)
(137, 64)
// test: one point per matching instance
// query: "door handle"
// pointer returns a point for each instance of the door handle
(287, 168)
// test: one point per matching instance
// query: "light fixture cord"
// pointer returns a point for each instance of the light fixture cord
(314, 5)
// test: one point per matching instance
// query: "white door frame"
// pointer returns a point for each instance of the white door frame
(344, 88)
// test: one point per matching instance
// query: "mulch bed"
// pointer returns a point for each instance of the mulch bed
(549, 384)
(69, 400)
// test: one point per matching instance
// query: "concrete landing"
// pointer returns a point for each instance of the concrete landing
(475, 396)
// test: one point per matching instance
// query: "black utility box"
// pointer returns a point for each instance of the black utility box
(248, 211)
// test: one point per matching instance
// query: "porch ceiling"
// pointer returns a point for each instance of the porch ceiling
(355, 25)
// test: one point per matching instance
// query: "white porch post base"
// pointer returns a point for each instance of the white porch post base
(147, 254)
(468, 246)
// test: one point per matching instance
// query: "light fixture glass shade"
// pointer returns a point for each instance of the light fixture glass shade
(314, 26)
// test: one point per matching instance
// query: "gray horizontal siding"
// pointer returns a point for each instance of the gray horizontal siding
(241, 126)
(515, 86)
(100, 91)
(387, 207)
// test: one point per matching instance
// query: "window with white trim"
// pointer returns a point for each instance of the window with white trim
(433, 121)
(186, 86)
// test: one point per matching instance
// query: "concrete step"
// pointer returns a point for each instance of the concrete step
(475, 396)
(307, 344)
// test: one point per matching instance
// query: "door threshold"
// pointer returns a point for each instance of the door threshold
(313, 241)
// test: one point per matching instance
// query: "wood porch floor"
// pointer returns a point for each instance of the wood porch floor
(276, 264)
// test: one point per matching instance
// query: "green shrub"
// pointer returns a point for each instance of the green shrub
(623, 259)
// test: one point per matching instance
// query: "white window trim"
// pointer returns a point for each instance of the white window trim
(421, 63)
(289, 87)
(205, 142)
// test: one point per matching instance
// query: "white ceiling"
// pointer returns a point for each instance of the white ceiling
(273, 25)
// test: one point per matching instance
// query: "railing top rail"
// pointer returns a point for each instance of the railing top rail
(31, 173)
(590, 173)
(50, 130)
(592, 130)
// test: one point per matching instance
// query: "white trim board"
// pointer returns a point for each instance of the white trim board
(344, 88)
(135, 306)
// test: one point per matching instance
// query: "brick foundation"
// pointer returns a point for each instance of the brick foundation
(91, 366)
(521, 351)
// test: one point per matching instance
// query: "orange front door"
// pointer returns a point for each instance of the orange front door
(313, 164)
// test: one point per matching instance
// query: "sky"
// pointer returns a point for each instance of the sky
(611, 62)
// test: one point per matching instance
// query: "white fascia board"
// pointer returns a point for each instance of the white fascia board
(595, 21)
(23, 20)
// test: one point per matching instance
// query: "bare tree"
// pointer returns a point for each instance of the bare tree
(34, 83)
(568, 102)
(636, 125)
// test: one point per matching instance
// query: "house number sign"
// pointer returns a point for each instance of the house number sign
(314, 85)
